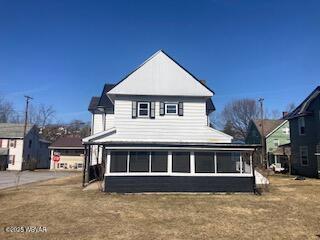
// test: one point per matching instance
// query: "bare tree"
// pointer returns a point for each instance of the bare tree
(290, 107)
(238, 114)
(6, 110)
(41, 115)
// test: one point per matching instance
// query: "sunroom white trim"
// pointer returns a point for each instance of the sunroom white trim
(181, 174)
(169, 172)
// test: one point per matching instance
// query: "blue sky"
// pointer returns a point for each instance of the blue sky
(62, 52)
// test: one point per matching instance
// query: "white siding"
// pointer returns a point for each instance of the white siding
(109, 121)
(97, 123)
(160, 75)
(17, 152)
(191, 126)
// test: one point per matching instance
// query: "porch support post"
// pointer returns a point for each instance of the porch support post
(169, 162)
(108, 162)
(84, 165)
(251, 165)
(241, 163)
(192, 163)
(88, 153)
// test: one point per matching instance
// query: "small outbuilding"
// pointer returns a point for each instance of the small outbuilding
(70, 152)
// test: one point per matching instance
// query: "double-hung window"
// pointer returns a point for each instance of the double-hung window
(304, 156)
(143, 109)
(302, 126)
(171, 108)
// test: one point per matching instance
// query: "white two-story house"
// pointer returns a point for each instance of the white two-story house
(152, 133)
(19, 151)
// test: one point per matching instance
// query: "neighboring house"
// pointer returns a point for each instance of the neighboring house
(71, 152)
(152, 132)
(19, 152)
(275, 133)
(305, 136)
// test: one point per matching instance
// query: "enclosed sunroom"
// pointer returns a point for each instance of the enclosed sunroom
(178, 168)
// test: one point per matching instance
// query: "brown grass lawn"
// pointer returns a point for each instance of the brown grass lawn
(290, 210)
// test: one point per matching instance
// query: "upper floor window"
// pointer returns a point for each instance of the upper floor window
(13, 143)
(143, 109)
(286, 130)
(302, 126)
(304, 155)
(30, 143)
(276, 142)
(171, 108)
(11, 159)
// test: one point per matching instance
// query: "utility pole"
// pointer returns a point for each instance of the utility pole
(263, 149)
(28, 98)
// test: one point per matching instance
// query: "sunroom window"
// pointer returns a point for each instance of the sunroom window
(204, 162)
(228, 162)
(159, 161)
(118, 162)
(139, 162)
(181, 162)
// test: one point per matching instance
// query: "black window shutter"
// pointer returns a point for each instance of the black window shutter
(180, 110)
(161, 108)
(134, 109)
(152, 109)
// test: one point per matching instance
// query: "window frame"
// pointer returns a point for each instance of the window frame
(300, 126)
(172, 104)
(148, 109)
(241, 169)
(301, 149)
(128, 154)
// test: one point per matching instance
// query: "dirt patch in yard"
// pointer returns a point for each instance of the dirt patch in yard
(70, 213)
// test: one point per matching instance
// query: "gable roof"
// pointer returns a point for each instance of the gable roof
(209, 106)
(268, 125)
(93, 103)
(13, 130)
(161, 75)
(67, 142)
(102, 101)
(302, 109)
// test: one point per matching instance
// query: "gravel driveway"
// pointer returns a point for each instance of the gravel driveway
(10, 178)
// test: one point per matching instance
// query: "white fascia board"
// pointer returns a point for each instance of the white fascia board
(213, 149)
(180, 174)
(98, 135)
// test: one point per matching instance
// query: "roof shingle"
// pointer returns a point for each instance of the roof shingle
(68, 141)
(13, 130)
